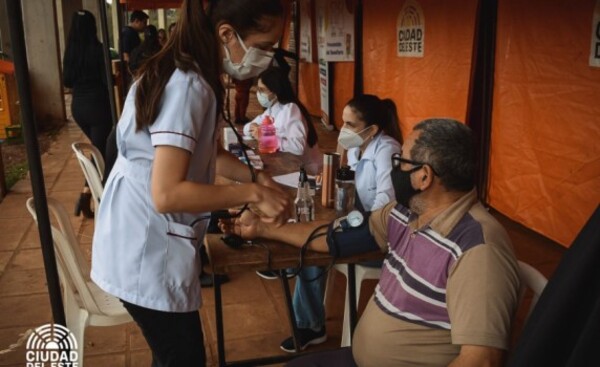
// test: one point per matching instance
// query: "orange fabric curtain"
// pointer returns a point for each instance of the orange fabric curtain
(545, 156)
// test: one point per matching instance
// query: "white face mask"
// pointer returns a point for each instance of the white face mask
(253, 63)
(263, 99)
(349, 139)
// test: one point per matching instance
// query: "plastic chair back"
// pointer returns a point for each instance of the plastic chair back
(93, 169)
(531, 278)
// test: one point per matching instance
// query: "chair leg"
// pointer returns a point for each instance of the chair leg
(328, 287)
(346, 337)
(77, 321)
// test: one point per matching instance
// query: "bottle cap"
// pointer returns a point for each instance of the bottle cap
(267, 120)
(302, 177)
(344, 173)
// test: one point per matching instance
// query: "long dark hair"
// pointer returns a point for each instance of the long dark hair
(81, 44)
(380, 112)
(276, 79)
(194, 46)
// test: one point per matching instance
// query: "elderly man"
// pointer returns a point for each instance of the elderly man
(449, 284)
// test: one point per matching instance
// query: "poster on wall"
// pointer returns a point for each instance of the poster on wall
(410, 30)
(324, 88)
(335, 30)
(595, 48)
(306, 44)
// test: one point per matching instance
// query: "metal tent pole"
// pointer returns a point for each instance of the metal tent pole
(17, 38)
(107, 63)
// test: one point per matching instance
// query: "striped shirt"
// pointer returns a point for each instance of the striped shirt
(413, 280)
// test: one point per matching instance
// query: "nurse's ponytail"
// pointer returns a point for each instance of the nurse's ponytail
(380, 112)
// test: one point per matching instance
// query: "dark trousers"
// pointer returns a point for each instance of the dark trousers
(111, 153)
(91, 111)
(175, 339)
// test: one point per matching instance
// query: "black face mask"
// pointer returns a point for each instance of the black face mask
(403, 189)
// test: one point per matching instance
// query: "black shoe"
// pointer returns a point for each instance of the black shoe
(306, 337)
(83, 205)
(206, 280)
(267, 274)
(271, 275)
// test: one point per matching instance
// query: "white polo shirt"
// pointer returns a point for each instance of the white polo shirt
(139, 255)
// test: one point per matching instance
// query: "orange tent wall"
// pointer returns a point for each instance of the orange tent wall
(545, 156)
(436, 85)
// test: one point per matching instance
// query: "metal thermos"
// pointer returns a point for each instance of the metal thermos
(345, 191)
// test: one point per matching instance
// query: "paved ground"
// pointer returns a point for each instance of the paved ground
(255, 317)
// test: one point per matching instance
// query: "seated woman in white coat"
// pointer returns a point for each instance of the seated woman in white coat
(371, 134)
(295, 131)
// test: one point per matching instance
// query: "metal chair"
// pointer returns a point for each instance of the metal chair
(85, 303)
(93, 169)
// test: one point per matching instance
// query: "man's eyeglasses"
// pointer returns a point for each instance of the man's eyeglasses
(397, 160)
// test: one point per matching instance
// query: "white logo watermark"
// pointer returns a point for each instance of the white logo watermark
(51, 345)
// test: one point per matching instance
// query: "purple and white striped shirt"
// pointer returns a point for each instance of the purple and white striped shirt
(415, 272)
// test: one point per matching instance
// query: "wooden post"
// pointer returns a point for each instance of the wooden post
(3, 188)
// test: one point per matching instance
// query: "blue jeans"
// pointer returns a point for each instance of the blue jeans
(308, 298)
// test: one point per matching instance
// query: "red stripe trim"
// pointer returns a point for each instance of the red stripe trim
(176, 133)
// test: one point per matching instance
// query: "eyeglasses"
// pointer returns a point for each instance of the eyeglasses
(397, 160)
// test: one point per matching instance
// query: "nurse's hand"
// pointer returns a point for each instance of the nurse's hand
(254, 129)
(273, 204)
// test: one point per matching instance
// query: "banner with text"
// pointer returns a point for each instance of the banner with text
(410, 30)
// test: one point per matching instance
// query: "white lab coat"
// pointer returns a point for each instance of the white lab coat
(372, 171)
(291, 134)
(139, 255)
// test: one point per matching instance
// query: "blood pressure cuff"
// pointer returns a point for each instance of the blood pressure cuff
(350, 241)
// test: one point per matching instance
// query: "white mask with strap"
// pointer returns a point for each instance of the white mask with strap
(253, 63)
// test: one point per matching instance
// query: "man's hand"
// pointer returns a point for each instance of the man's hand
(248, 225)
(478, 356)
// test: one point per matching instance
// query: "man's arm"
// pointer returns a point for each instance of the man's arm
(249, 226)
(478, 356)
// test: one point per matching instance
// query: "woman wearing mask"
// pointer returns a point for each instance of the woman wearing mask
(83, 70)
(145, 250)
(295, 131)
(371, 134)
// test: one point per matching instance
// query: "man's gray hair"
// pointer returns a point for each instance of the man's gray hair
(447, 146)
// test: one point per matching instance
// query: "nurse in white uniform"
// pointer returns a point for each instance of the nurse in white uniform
(145, 250)
(295, 131)
(371, 134)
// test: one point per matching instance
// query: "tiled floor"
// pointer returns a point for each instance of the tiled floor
(255, 317)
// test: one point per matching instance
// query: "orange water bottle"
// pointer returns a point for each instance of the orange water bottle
(267, 137)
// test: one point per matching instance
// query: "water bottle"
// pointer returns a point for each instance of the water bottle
(345, 191)
(267, 137)
(305, 205)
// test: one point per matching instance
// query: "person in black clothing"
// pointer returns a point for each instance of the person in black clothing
(148, 48)
(130, 37)
(84, 72)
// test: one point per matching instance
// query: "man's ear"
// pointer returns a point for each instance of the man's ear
(426, 178)
(226, 33)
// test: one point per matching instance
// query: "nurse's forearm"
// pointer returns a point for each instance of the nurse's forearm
(229, 166)
(189, 196)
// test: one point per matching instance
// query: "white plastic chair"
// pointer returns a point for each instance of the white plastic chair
(92, 170)
(531, 278)
(362, 273)
(85, 303)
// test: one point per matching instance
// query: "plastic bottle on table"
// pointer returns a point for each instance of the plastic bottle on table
(305, 205)
(267, 137)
